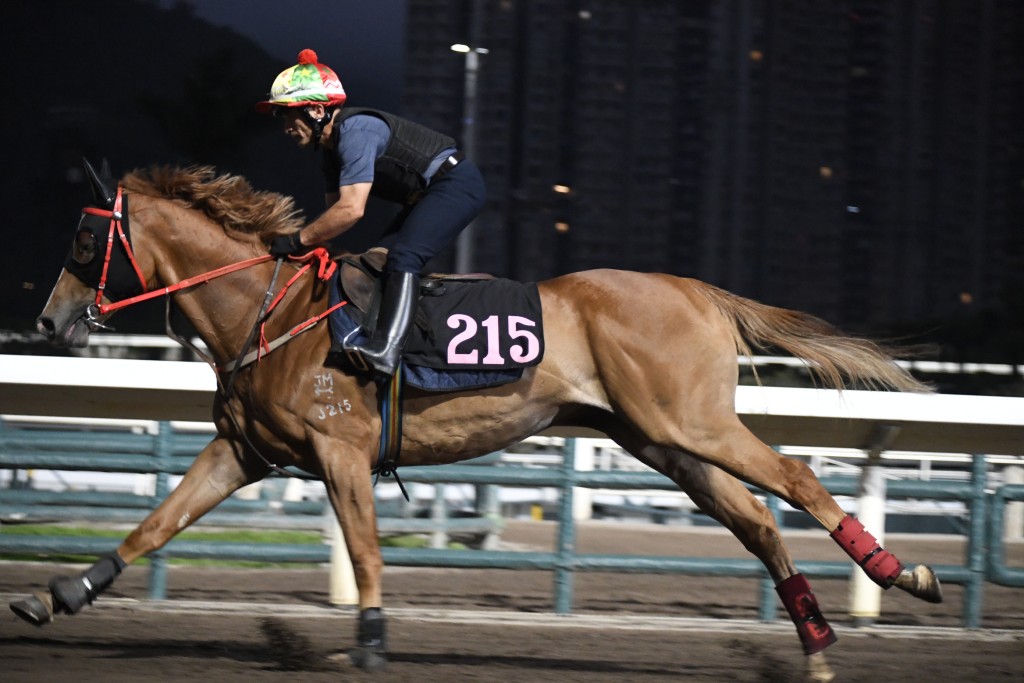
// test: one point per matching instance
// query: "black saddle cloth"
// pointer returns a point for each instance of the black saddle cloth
(469, 334)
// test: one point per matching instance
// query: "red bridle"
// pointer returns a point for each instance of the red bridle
(116, 228)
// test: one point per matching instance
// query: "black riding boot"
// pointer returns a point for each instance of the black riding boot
(397, 311)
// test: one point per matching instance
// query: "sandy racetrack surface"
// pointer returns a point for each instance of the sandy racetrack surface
(483, 625)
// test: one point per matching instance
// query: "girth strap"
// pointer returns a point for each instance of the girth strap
(391, 429)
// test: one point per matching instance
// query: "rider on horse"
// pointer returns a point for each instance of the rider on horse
(368, 151)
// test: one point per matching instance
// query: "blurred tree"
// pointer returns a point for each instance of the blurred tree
(211, 117)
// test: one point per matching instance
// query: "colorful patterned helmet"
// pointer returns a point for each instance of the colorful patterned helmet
(308, 82)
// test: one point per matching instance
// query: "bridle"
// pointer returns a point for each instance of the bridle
(86, 272)
(116, 224)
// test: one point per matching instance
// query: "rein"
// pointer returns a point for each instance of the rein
(261, 318)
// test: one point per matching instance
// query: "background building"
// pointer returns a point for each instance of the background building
(860, 160)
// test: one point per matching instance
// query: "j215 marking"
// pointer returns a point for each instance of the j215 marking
(323, 385)
(332, 409)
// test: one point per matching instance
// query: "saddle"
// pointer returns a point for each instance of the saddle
(361, 278)
(470, 331)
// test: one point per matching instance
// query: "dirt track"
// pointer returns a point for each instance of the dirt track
(482, 625)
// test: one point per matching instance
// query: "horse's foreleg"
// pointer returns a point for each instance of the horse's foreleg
(215, 474)
(350, 490)
(218, 471)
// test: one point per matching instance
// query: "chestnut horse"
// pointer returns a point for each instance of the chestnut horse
(648, 359)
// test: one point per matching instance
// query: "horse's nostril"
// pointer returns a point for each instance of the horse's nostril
(46, 327)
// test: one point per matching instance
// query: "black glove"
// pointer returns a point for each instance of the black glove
(286, 245)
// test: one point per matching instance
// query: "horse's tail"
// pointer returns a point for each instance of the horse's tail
(833, 358)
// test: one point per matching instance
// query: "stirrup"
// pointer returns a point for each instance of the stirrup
(354, 354)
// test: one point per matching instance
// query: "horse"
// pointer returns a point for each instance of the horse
(648, 359)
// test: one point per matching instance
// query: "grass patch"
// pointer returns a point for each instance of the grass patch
(224, 536)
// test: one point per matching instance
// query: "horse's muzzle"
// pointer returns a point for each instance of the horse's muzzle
(74, 335)
(46, 327)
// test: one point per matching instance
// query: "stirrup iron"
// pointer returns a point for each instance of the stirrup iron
(353, 353)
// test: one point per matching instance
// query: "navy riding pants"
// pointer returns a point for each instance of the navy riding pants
(423, 230)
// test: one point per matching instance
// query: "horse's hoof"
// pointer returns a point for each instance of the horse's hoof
(818, 670)
(920, 582)
(367, 659)
(36, 609)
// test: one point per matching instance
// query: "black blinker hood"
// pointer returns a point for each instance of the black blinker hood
(122, 282)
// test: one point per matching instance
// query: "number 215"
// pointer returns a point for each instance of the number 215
(491, 325)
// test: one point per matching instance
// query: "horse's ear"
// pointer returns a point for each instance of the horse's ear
(102, 191)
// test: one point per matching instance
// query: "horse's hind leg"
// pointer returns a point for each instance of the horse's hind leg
(684, 400)
(727, 500)
(736, 450)
(215, 474)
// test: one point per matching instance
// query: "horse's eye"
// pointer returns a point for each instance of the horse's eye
(85, 247)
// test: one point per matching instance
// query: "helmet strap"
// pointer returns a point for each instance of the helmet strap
(316, 124)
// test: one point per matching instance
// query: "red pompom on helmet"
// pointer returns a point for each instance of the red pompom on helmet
(307, 56)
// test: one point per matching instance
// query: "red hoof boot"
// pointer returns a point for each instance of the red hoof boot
(815, 633)
(879, 564)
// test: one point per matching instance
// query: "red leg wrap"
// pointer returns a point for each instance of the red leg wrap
(815, 633)
(879, 564)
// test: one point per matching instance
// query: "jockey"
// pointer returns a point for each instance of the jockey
(367, 151)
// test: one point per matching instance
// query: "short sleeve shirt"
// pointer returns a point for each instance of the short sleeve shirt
(360, 141)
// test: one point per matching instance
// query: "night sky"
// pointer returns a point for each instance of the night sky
(94, 79)
(363, 41)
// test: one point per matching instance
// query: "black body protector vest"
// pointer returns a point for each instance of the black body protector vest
(399, 172)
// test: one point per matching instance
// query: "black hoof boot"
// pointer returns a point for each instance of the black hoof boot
(69, 594)
(370, 652)
(72, 593)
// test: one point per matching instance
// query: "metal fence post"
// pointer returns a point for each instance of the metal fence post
(566, 550)
(1014, 525)
(583, 498)
(977, 545)
(157, 559)
(439, 516)
(769, 604)
(488, 506)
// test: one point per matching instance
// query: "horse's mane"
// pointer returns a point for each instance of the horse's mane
(226, 199)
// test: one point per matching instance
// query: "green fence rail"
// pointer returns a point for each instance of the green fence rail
(167, 452)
